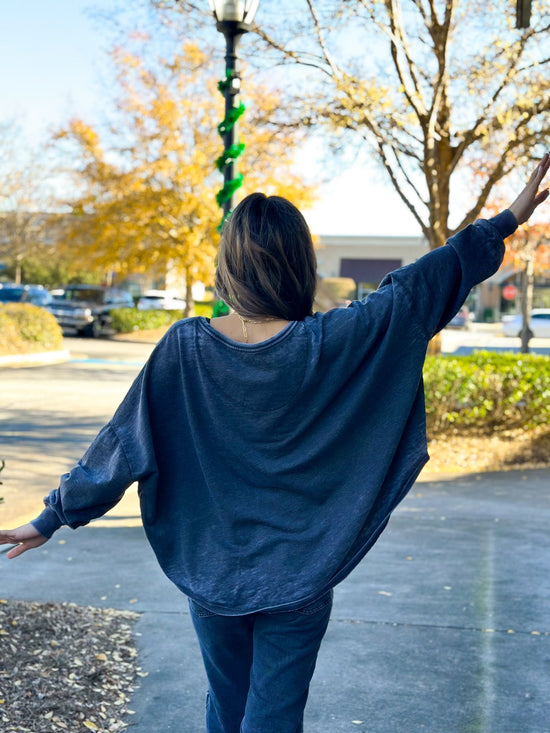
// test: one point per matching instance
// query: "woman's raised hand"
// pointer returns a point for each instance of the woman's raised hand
(530, 198)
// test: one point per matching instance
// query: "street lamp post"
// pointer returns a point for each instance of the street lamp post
(233, 19)
(523, 13)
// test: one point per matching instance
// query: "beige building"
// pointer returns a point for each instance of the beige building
(367, 259)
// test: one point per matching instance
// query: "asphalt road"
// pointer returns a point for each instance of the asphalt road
(486, 336)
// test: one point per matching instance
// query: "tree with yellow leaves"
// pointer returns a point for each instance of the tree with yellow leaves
(146, 189)
(430, 87)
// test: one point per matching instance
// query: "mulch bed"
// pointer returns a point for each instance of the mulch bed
(65, 667)
(464, 453)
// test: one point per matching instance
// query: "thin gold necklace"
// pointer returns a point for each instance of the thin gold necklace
(244, 321)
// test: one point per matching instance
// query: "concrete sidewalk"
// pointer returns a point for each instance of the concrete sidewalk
(444, 628)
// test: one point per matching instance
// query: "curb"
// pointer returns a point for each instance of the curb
(34, 359)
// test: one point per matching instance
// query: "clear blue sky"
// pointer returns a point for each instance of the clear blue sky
(52, 57)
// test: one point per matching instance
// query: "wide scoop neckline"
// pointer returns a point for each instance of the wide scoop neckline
(281, 335)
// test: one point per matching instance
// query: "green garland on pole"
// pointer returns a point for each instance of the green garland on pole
(229, 188)
(230, 119)
(225, 84)
(231, 154)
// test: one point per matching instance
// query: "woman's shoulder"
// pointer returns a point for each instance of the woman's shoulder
(184, 327)
(371, 309)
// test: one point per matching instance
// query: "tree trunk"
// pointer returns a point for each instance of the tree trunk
(527, 286)
(188, 294)
(18, 272)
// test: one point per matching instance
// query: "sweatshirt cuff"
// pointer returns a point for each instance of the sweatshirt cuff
(505, 223)
(47, 522)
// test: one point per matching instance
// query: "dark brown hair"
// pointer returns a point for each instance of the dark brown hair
(266, 262)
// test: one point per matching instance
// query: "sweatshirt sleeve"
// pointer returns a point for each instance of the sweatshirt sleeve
(438, 283)
(121, 454)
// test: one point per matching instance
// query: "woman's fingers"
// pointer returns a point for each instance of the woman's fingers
(25, 537)
(530, 198)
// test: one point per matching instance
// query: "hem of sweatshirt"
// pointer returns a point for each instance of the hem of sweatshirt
(47, 522)
(313, 595)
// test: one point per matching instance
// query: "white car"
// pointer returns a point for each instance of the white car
(161, 300)
(539, 323)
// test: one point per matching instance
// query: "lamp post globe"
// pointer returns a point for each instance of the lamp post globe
(240, 11)
(233, 19)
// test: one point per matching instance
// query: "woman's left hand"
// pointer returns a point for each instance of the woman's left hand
(25, 537)
(530, 197)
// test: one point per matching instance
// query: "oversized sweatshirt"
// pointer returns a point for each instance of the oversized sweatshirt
(267, 471)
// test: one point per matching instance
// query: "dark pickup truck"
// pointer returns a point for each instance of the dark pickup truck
(87, 308)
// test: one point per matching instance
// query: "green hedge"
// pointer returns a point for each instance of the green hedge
(26, 328)
(127, 320)
(486, 392)
(203, 309)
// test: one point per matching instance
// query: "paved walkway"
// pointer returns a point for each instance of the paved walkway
(444, 628)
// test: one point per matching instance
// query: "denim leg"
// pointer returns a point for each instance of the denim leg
(226, 647)
(286, 645)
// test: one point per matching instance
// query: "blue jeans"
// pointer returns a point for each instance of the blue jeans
(259, 666)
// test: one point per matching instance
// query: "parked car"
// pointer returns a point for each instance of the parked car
(86, 309)
(461, 320)
(539, 323)
(166, 300)
(35, 294)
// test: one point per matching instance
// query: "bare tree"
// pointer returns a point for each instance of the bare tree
(23, 221)
(433, 88)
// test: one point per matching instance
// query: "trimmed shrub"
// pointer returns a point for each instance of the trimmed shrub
(10, 343)
(127, 320)
(339, 289)
(27, 328)
(486, 392)
(202, 308)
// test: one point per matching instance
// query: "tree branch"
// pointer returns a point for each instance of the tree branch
(322, 43)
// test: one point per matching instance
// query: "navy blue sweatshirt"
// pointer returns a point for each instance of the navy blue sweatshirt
(267, 471)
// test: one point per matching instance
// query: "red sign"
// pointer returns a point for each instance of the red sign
(509, 292)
